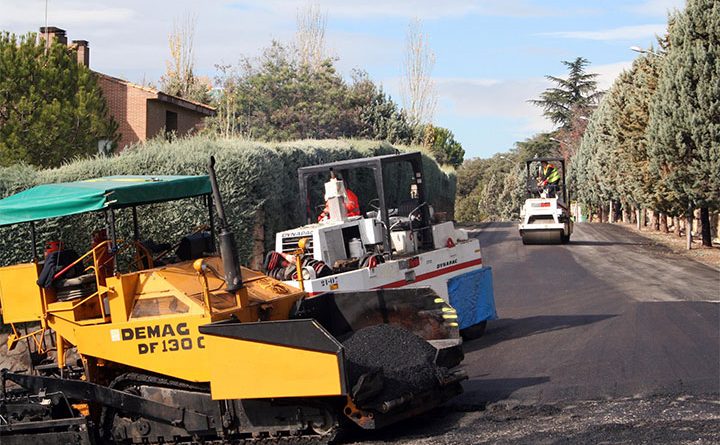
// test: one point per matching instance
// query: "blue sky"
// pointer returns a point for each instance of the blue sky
(491, 55)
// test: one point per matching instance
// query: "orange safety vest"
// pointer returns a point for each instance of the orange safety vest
(351, 205)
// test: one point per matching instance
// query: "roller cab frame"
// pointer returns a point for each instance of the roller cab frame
(398, 243)
(545, 219)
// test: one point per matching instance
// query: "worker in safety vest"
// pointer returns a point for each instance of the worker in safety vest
(352, 206)
(549, 179)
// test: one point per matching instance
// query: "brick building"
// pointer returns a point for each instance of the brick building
(141, 112)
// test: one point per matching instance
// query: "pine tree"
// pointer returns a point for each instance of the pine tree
(572, 95)
(280, 97)
(51, 107)
(379, 116)
(684, 127)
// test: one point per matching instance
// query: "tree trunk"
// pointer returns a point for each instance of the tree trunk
(705, 226)
(258, 245)
(663, 223)
(656, 220)
(625, 214)
(637, 217)
(676, 225)
(688, 229)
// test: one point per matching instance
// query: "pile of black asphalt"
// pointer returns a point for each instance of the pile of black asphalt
(405, 361)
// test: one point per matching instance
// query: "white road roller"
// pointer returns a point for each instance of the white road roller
(398, 242)
(545, 218)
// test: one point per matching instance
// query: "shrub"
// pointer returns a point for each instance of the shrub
(255, 178)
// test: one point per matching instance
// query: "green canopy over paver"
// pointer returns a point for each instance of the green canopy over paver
(70, 198)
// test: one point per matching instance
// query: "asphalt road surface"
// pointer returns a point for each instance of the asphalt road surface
(606, 339)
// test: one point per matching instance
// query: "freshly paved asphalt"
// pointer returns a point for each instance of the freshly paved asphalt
(609, 339)
(608, 315)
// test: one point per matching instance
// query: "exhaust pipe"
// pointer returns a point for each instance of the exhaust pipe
(228, 250)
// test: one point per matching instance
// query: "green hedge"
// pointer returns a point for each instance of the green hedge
(253, 177)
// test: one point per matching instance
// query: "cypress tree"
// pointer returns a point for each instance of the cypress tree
(684, 127)
(635, 90)
(589, 167)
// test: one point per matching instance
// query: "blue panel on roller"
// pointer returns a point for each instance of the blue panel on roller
(471, 294)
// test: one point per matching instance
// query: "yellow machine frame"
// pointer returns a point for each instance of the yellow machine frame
(149, 320)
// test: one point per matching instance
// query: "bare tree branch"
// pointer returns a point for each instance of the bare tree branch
(179, 78)
(310, 35)
(417, 89)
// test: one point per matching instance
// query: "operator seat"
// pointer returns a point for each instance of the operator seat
(74, 283)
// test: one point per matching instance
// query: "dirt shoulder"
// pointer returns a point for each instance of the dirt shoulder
(676, 245)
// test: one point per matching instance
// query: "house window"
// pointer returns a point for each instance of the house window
(171, 124)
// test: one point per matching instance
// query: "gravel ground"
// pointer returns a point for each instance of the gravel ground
(650, 420)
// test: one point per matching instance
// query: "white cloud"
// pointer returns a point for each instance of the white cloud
(67, 13)
(467, 81)
(622, 33)
(483, 98)
(609, 72)
(365, 51)
(493, 98)
(424, 9)
(131, 41)
(657, 7)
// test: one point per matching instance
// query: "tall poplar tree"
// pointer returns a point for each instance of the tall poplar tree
(51, 107)
(179, 78)
(684, 127)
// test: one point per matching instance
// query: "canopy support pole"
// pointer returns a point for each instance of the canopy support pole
(110, 219)
(211, 221)
(33, 240)
(136, 231)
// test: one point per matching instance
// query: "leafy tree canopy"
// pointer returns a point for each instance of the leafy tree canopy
(443, 146)
(278, 97)
(494, 188)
